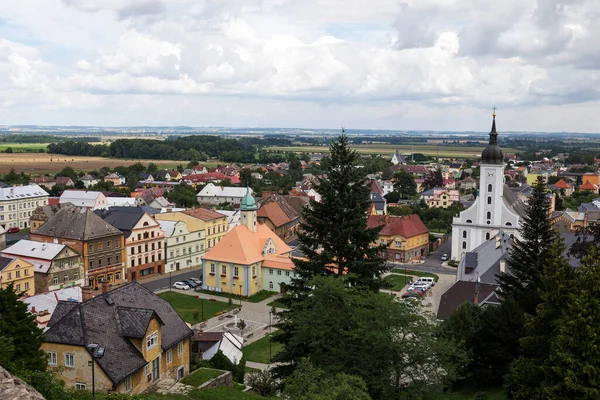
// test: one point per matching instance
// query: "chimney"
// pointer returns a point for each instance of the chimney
(104, 286)
(87, 293)
(502, 266)
(33, 310)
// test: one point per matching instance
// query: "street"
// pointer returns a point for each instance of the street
(15, 237)
(433, 262)
(163, 281)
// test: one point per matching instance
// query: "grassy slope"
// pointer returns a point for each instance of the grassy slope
(259, 351)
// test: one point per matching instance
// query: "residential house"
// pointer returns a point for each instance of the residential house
(397, 158)
(481, 294)
(233, 217)
(43, 213)
(562, 187)
(467, 183)
(161, 202)
(183, 249)
(84, 198)
(17, 203)
(279, 215)
(144, 240)
(238, 262)
(143, 337)
(569, 220)
(145, 177)
(214, 224)
(588, 186)
(212, 194)
(591, 177)
(387, 187)
(122, 202)
(450, 183)
(406, 237)
(64, 181)
(100, 244)
(209, 177)
(206, 344)
(379, 202)
(89, 180)
(175, 175)
(19, 273)
(116, 179)
(54, 265)
(440, 197)
(45, 181)
(162, 175)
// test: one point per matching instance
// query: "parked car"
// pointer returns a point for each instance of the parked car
(14, 229)
(444, 257)
(411, 294)
(428, 280)
(190, 283)
(419, 285)
(196, 280)
(181, 285)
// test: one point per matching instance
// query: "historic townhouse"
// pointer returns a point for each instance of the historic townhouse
(19, 273)
(406, 237)
(17, 203)
(144, 240)
(185, 249)
(215, 224)
(143, 337)
(100, 244)
(54, 265)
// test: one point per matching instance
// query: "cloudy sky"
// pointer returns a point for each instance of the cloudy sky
(380, 64)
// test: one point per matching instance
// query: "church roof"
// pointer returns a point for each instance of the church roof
(513, 202)
(248, 203)
(492, 154)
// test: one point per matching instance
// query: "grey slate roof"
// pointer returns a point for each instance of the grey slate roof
(78, 223)
(122, 218)
(483, 262)
(4, 261)
(513, 202)
(110, 319)
(464, 292)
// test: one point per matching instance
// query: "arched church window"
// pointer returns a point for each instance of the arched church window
(490, 187)
(489, 200)
(469, 221)
(464, 234)
(487, 236)
(508, 224)
(489, 215)
(464, 245)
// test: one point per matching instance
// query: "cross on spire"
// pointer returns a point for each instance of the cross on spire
(494, 108)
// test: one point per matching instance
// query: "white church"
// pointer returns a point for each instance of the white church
(495, 209)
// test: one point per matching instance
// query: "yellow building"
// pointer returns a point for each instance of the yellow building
(406, 237)
(234, 265)
(143, 337)
(18, 272)
(215, 224)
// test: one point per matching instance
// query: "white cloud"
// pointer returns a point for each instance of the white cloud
(385, 62)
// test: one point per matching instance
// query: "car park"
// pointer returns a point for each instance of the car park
(419, 285)
(181, 285)
(426, 279)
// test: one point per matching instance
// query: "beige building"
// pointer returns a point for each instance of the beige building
(17, 203)
(215, 224)
(183, 249)
(19, 273)
(143, 337)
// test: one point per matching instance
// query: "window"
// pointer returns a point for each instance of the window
(99, 262)
(147, 370)
(69, 360)
(278, 272)
(464, 234)
(171, 254)
(488, 215)
(54, 280)
(152, 247)
(117, 243)
(169, 356)
(17, 274)
(51, 355)
(212, 268)
(108, 261)
(490, 187)
(464, 245)
(398, 243)
(159, 245)
(66, 278)
(18, 287)
(117, 276)
(270, 271)
(487, 236)
(469, 221)
(139, 249)
(236, 271)
(153, 257)
(9, 275)
(146, 260)
(26, 272)
(223, 270)
(132, 250)
(99, 246)
(270, 285)
(489, 200)
(108, 244)
(159, 256)
(146, 247)
(180, 348)
(128, 385)
(80, 386)
(76, 276)
(151, 340)
(133, 263)
(287, 273)
(508, 224)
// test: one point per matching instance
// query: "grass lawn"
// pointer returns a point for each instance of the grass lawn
(415, 273)
(397, 282)
(201, 375)
(257, 298)
(186, 305)
(225, 394)
(469, 394)
(259, 351)
(277, 304)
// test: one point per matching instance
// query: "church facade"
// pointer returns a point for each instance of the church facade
(495, 208)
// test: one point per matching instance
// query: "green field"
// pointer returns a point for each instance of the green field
(186, 305)
(259, 351)
(426, 149)
(24, 147)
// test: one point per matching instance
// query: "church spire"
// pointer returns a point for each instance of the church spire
(493, 133)
(492, 153)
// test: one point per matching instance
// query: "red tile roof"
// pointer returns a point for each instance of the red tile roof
(562, 185)
(588, 186)
(407, 226)
(274, 213)
(204, 214)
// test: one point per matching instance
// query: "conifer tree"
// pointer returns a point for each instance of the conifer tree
(334, 236)
(533, 369)
(530, 253)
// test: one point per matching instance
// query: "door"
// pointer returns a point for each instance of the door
(156, 369)
(180, 372)
(177, 266)
(133, 275)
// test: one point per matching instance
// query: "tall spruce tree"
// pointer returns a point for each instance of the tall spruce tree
(533, 369)
(334, 236)
(530, 253)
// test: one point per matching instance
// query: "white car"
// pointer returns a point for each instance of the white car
(181, 285)
(419, 285)
(444, 257)
(198, 281)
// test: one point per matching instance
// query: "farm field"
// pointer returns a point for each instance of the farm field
(428, 150)
(24, 147)
(38, 163)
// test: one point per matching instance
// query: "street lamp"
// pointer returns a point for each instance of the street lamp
(240, 295)
(270, 314)
(169, 280)
(97, 353)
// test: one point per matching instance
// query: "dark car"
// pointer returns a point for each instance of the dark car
(14, 229)
(190, 283)
(411, 294)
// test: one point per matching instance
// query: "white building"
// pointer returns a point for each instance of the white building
(18, 202)
(89, 180)
(212, 194)
(84, 198)
(495, 209)
(183, 249)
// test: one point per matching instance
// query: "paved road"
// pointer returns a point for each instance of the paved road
(163, 282)
(13, 237)
(432, 263)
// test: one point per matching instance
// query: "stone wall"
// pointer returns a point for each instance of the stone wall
(224, 380)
